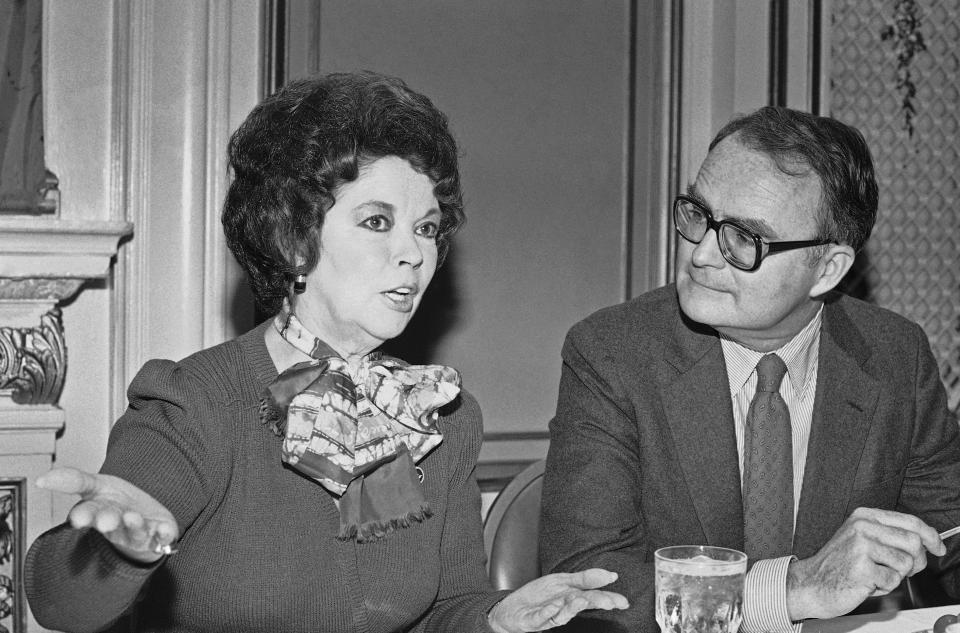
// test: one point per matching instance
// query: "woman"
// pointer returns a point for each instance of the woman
(294, 478)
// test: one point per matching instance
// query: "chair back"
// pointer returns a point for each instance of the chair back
(510, 531)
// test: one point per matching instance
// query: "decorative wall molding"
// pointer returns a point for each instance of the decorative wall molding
(46, 248)
(33, 361)
(38, 289)
(44, 261)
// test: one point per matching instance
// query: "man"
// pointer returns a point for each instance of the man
(655, 442)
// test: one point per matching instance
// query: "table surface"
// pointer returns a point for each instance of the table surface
(909, 621)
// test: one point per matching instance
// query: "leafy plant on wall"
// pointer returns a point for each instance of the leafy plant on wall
(905, 33)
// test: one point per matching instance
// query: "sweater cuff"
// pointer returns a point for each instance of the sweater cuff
(765, 597)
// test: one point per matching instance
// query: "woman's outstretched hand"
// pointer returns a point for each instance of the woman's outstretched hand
(135, 523)
(553, 600)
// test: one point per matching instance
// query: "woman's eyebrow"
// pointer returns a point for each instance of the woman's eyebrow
(376, 204)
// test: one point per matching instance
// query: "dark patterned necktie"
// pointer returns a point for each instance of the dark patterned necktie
(768, 467)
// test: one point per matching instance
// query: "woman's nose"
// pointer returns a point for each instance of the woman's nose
(407, 249)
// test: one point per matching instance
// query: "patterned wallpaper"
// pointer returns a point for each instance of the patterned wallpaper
(895, 74)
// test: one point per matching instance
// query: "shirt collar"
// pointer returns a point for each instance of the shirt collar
(799, 354)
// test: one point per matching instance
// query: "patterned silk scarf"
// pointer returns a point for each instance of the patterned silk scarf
(358, 434)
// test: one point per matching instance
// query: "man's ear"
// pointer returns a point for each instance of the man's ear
(834, 264)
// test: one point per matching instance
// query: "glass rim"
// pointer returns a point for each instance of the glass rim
(736, 557)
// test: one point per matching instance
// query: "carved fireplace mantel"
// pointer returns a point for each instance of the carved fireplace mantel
(43, 261)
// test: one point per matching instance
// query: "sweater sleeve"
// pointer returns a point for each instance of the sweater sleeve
(465, 593)
(74, 579)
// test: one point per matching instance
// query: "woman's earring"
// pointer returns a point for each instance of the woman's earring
(300, 284)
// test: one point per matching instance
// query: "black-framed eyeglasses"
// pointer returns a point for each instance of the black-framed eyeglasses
(741, 248)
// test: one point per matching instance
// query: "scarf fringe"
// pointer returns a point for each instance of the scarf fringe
(373, 530)
(273, 416)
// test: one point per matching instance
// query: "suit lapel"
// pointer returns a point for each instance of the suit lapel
(845, 399)
(700, 414)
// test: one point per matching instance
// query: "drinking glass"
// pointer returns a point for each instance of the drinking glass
(699, 588)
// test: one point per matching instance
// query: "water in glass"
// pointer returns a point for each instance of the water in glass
(699, 589)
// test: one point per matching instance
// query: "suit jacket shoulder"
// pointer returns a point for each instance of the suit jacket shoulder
(874, 337)
(638, 328)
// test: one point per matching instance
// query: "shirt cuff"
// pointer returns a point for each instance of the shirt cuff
(765, 597)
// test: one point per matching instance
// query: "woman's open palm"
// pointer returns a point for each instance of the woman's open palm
(135, 523)
(553, 600)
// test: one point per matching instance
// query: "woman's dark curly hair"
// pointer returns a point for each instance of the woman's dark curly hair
(300, 144)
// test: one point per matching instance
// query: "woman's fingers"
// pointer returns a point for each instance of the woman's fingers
(138, 531)
(588, 581)
(84, 514)
(606, 600)
(559, 612)
(576, 601)
(133, 521)
(591, 578)
(69, 481)
(572, 605)
(165, 533)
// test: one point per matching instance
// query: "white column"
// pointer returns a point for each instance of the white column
(187, 74)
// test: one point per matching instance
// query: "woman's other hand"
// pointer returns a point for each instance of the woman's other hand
(135, 523)
(553, 600)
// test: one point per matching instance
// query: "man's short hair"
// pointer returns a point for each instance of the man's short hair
(800, 142)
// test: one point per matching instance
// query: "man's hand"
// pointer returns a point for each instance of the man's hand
(871, 553)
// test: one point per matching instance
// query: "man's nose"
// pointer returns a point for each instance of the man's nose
(707, 252)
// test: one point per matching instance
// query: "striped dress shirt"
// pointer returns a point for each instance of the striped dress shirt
(765, 596)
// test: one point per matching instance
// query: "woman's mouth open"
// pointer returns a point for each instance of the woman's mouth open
(402, 297)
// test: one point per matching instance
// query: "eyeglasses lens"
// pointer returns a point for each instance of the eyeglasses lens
(738, 246)
(691, 222)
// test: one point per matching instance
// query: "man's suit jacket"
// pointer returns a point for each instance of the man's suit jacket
(643, 453)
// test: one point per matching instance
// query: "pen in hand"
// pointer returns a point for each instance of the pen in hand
(950, 532)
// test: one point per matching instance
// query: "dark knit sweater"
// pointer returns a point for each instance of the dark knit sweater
(258, 548)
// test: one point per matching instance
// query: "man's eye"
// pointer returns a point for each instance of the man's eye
(428, 229)
(741, 239)
(376, 223)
